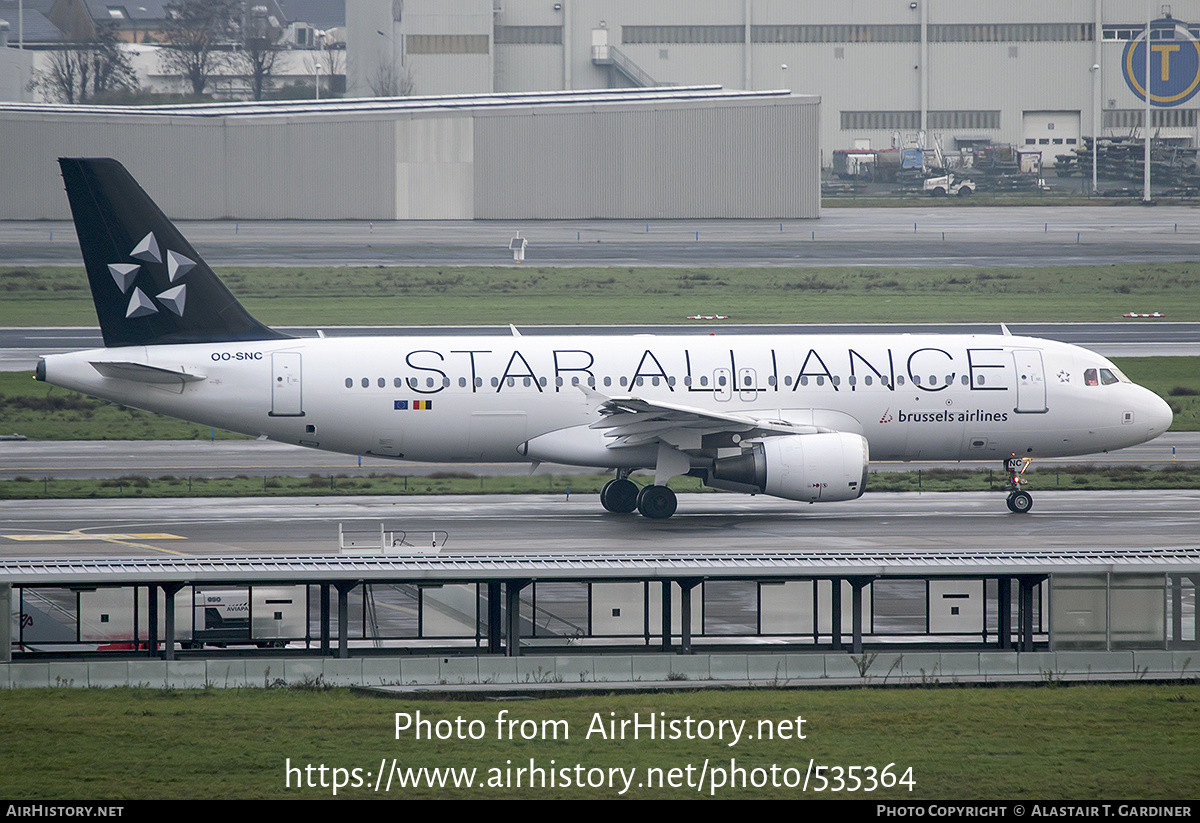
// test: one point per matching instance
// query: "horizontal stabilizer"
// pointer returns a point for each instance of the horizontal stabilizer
(141, 373)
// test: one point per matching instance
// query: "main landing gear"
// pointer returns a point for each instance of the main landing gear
(1019, 501)
(622, 496)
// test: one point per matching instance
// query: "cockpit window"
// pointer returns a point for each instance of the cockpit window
(1103, 377)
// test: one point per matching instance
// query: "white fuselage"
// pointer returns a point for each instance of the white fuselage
(457, 399)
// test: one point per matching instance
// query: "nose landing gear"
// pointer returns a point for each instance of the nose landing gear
(1019, 501)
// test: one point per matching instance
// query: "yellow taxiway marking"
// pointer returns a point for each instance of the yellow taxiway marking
(95, 536)
(118, 539)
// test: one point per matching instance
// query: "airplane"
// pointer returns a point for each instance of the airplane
(793, 416)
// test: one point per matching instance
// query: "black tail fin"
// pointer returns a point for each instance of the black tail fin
(148, 284)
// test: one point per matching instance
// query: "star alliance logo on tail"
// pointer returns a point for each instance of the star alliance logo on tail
(125, 274)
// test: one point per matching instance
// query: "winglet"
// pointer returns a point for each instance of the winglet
(1004, 330)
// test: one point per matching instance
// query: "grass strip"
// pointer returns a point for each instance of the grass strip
(498, 295)
(1088, 743)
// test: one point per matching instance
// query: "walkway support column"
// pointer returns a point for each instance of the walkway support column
(512, 608)
(857, 584)
(685, 614)
(1004, 613)
(495, 612)
(324, 619)
(835, 613)
(170, 590)
(666, 615)
(151, 620)
(1025, 630)
(343, 618)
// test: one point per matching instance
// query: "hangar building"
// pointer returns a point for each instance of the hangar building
(699, 152)
(970, 71)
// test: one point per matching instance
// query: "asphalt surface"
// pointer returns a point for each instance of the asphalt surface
(950, 235)
(929, 524)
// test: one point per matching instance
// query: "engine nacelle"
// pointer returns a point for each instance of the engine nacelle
(808, 467)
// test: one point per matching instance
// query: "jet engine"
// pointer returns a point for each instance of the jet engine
(809, 467)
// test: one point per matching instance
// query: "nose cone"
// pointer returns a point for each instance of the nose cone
(1156, 415)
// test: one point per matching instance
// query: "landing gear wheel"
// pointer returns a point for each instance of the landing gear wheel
(1020, 502)
(657, 502)
(619, 496)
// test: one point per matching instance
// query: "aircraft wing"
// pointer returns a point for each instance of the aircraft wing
(632, 421)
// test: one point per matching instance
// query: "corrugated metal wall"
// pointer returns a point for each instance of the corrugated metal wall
(297, 167)
(746, 158)
(702, 157)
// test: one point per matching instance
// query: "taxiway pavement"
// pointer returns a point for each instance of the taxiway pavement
(949, 235)
(928, 524)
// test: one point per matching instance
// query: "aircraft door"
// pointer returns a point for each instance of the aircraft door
(1031, 382)
(722, 384)
(286, 394)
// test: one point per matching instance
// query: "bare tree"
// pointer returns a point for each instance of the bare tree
(388, 80)
(261, 32)
(88, 71)
(196, 32)
(325, 63)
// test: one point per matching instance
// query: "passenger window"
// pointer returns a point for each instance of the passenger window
(349, 382)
